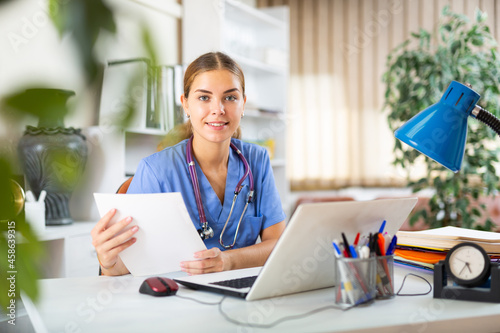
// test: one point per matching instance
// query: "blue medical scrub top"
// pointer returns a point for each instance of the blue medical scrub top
(167, 171)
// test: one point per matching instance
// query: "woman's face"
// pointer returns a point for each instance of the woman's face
(215, 105)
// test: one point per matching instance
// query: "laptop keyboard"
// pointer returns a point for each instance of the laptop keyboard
(245, 282)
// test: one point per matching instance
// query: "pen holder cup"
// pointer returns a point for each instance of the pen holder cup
(35, 215)
(385, 277)
(354, 281)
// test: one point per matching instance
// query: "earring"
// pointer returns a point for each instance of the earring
(188, 116)
(243, 114)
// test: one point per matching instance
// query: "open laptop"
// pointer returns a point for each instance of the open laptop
(303, 258)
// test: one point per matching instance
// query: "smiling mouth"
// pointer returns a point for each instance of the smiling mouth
(217, 124)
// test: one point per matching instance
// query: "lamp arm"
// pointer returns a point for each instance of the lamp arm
(486, 117)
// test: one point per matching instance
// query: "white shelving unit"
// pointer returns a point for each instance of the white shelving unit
(69, 251)
(258, 39)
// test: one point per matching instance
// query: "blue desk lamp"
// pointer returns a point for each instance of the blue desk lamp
(440, 130)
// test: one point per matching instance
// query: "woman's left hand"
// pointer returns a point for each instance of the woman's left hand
(209, 261)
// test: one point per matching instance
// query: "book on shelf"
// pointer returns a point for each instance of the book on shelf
(168, 90)
(165, 96)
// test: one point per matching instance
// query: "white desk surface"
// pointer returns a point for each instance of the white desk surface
(114, 304)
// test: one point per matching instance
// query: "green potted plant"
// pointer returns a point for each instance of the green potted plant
(20, 266)
(416, 78)
(82, 21)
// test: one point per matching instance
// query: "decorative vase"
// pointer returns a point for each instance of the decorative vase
(53, 157)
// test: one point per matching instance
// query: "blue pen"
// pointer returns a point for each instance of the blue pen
(392, 246)
(337, 249)
(352, 249)
(382, 227)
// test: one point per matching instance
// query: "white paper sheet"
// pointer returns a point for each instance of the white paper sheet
(166, 233)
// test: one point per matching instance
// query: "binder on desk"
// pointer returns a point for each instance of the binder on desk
(447, 237)
(425, 248)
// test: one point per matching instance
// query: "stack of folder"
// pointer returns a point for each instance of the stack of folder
(425, 248)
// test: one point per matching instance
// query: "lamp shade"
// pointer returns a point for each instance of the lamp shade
(440, 130)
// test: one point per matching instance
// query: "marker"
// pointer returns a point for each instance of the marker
(364, 252)
(381, 244)
(346, 245)
(392, 246)
(382, 227)
(373, 243)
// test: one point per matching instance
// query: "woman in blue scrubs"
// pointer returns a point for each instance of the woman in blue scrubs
(213, 100)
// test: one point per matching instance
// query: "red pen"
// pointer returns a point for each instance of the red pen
(356, 240)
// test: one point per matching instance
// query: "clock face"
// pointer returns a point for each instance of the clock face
(468, 264)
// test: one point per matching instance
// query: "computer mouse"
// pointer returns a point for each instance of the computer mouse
(159, 286)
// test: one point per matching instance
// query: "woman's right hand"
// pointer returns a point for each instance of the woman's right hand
(108, 244)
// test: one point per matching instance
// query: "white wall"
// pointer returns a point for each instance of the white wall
(32, 52)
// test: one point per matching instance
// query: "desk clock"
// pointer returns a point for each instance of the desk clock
(469, 267)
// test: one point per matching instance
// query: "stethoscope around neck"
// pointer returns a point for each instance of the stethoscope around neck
(206, 231)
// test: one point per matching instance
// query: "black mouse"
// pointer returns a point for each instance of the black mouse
(159, 286)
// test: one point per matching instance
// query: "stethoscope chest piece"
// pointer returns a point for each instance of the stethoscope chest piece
(206, 232)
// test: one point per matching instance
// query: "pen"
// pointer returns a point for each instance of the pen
(381, 244)
(353, 252)
(356, 240)
(348, 287)
(341, 293)
(370, 242)
(338, 253)
(384, 273)
(346, 245)
(373, 244)
(383, 277)
(378, 282)
(387, 241)
(392, 246)
(382, 227)
(364, 252)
